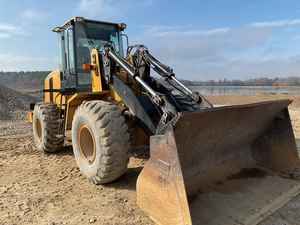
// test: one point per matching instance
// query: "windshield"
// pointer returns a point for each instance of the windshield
(96, 35)
(90, 35)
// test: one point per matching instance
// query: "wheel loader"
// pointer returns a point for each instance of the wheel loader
(208, 165)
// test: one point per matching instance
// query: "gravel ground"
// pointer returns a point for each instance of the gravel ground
(44, 189)
(37, 188)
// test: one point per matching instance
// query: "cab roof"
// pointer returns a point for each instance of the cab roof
(120, 26)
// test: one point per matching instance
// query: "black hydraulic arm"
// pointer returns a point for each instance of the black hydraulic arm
(130, 70)
(165, 71)
(168, 110)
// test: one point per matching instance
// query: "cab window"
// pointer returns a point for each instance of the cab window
(91, 35)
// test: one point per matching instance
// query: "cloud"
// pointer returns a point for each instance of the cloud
(277, 23)
(8, 27)
(33, 15)
(10, 31)
(27, 17)
(251, 50)
(110, 9)
(186, 43)
(4, 35)
(181, 43)
(93, 8)
(13, 62)
(163, 31)
(275, 66)
(197, 53)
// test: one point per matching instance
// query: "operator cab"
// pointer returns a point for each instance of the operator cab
(77, 37)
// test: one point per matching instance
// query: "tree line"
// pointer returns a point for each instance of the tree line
(264, 81)
(23, 79)
(33, 79)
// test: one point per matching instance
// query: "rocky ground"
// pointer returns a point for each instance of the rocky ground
(44, 189)
(13, 104)
(36, 188)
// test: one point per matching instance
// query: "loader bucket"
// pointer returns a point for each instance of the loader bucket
(221, 166)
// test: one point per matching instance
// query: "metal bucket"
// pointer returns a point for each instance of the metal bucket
(208, 150)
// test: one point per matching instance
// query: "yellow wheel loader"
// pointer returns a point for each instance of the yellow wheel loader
(208, 165)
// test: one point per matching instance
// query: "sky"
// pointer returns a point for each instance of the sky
(200, 39)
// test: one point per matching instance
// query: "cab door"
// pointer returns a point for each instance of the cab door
(68, 66)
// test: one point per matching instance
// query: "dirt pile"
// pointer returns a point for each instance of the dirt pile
(13, 104)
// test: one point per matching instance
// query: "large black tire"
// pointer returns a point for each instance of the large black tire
(100, 141)
(185, 103)
(46, 126)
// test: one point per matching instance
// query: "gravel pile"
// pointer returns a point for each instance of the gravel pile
(14, 104)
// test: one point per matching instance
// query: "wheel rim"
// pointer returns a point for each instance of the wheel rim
(38, 129)
(87, 143)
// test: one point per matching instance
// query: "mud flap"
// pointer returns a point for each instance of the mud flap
(219, 166)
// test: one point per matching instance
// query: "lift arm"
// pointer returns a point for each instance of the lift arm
(169, 112)
(165, 71)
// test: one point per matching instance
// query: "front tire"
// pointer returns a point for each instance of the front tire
(100, 141)
(47, 128)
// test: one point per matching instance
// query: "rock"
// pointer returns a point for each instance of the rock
(92, 220)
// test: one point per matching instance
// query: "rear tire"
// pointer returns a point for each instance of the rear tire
(100, 141)
(47, 128)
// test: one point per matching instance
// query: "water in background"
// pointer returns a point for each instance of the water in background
(245, 90)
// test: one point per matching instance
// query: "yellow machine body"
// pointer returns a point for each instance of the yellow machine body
(51, 83)
(71, 102)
